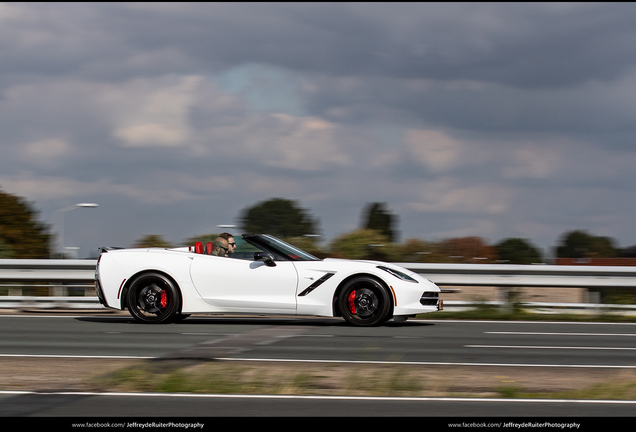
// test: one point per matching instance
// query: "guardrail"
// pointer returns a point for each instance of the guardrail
(508, 275)
(64, 275)
(503, 275)
(92, 303)
(18, 270)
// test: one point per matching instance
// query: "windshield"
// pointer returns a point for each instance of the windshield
(282, 250)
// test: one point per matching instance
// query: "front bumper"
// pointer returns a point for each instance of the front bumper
(431, 298)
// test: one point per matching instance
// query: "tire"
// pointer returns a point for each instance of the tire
(153, 298)
(364, 302)
(180, 317)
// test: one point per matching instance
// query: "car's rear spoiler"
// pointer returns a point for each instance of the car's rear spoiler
(105, 249)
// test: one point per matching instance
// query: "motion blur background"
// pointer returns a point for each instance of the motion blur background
(488, 120)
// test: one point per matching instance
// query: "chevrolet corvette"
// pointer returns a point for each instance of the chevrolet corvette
(264, 276)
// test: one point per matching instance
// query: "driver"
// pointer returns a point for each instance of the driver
(230, 242)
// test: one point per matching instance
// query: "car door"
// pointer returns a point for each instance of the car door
(240, 285)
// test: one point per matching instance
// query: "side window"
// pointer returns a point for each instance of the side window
(244, 250)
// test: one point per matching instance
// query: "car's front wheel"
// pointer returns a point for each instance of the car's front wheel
(153, 298)
(364, 301)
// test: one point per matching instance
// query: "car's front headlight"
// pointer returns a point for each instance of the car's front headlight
(398, 274)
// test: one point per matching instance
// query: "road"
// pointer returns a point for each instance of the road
(535, 347)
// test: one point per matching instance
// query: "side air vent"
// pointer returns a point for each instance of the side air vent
(315, 285)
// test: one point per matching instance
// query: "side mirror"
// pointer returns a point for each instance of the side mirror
(267, 258)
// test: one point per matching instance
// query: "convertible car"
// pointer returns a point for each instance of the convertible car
(264, 276)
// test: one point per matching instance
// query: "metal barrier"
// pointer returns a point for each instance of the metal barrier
(17, 270)
(508, 275)
(442, 274)
(63, 276)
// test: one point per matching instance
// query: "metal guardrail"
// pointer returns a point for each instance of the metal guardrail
(509, 275)
(92, 303)
(50, 302)
(500, 275)
(18, 270)
(68, 274)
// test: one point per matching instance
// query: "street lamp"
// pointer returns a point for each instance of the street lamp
(64, 210)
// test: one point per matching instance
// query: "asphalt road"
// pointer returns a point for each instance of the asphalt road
(587, 346)
(455, 342)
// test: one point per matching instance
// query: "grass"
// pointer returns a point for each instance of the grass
(228, 378)
(517, 313)
(219, 377)
(604, 391)
(363, 380)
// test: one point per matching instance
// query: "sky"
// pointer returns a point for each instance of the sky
(495, 120)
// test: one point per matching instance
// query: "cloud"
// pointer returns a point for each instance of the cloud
(151, 112)
(150, 135)
(449, 196)
(302, 144)
(158, 188)
(436, 150)
(471, 118)
(45, 151)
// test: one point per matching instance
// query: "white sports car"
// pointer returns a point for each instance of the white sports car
(265, 275)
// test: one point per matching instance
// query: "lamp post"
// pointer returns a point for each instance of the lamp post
(226, 226)
(62, 212)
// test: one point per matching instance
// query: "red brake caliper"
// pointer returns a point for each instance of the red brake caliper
(164, 299)
(352, 302)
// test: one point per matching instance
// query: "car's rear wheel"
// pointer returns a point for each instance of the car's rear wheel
(153, 298)
(364, 301)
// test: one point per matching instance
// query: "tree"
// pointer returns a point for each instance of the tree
(580, 244)
(375, 216)
(203, 238)
(279, 217)
(309, 244)
(628, 252)
(152, 240)
(21, 234)
(364, 244)
(5, 250)
(467, 250)
(517, 251)
(416, 250)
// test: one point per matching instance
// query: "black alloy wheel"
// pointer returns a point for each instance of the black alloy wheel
(364, 301)
(153, 298)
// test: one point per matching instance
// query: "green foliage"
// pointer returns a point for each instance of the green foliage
(152, 241)
(203, 238)
(22, 236)
(5, 250)
(364, 244)
(419, 251)
(517, 251)
(308, 244)
(580, 244)
(375, 216)
(279, 217)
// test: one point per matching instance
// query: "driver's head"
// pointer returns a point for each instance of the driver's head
(230, 242)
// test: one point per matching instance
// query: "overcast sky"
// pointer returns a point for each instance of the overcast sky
(495, 120)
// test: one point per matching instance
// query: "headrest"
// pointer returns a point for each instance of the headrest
(198, 247)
